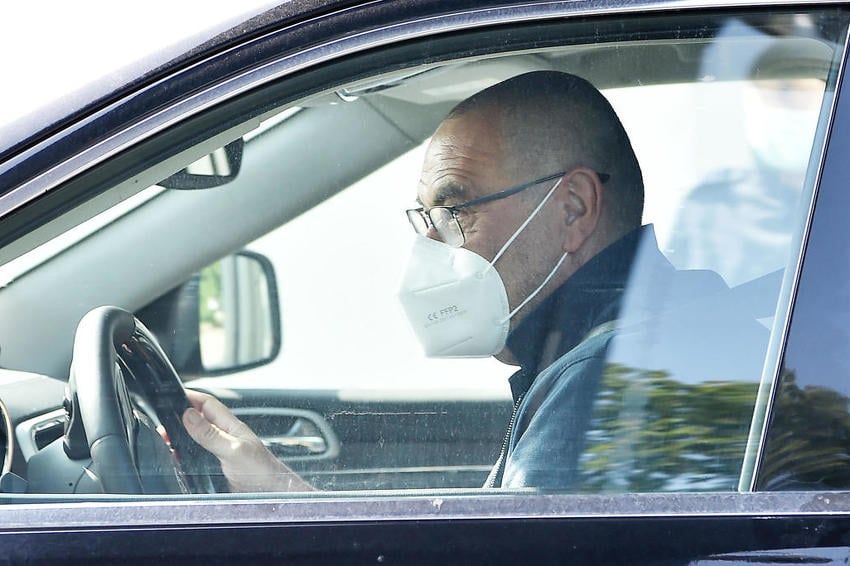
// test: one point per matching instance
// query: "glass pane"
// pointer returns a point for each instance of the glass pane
(806, 447)
(603, 329)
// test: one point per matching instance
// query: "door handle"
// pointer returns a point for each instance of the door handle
(292, 434)
(296, 444)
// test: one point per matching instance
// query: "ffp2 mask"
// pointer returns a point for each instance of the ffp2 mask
(455, 299)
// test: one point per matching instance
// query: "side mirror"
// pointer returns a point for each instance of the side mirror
(239, 316)
(213, 170)
(226, 318)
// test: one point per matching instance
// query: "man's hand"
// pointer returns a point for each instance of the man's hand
(247, 464)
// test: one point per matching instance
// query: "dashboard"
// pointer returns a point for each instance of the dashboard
(32, 405)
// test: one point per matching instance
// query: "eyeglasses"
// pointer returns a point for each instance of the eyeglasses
(445, 220)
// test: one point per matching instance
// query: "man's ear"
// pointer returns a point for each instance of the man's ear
(582, 205)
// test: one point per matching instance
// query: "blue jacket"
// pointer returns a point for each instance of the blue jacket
(626, 308)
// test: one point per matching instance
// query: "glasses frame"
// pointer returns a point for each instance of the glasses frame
(425, 215)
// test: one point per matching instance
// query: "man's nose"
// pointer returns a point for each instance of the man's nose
(433, 234)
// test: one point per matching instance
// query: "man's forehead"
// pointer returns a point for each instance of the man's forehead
(448, 177)
(460, 161)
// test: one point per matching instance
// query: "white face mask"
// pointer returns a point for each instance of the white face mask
(455, 299)
(782, 137)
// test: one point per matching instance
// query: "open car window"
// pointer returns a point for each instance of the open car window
(268, 262)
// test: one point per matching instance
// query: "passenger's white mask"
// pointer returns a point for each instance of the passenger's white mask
(782, 137)
(455, 299)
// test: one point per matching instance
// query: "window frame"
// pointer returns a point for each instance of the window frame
(807, 287)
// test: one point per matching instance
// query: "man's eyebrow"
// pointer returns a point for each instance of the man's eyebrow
(448, 192)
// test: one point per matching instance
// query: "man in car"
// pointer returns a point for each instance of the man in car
(531, 202)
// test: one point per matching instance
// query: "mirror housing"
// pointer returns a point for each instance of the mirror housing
(225, 318)
(213, 170)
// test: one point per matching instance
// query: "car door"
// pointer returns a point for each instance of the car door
(736, 395)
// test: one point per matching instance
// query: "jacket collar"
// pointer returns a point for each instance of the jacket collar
(587, 299)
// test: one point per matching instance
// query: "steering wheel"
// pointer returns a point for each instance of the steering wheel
(126, 404)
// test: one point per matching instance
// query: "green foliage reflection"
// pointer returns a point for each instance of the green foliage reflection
(210, 295)
(653, 433)
(809, 442)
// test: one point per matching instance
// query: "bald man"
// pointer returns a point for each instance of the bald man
(571, 231)
(533, 188)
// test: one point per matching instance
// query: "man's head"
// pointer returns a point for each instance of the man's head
(526, 128)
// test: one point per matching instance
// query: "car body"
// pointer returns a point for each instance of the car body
(243, 196)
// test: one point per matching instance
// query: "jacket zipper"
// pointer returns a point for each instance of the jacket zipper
(499, 468)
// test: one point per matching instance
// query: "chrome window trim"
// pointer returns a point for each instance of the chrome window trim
(329, 51)
(114, 512)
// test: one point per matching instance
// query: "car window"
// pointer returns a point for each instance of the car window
(370, 213)
(627, 346)
(722, 202)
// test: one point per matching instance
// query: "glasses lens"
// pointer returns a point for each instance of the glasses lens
(417, 219)
(446, 225)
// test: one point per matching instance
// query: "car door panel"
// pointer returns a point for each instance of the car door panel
(381, 444)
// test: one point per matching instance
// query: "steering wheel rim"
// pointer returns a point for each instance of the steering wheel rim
(110, 342)
(10, 439)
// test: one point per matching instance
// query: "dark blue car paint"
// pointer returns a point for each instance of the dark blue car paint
(443, 528)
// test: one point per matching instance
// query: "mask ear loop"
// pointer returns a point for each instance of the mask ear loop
(526, 223)
(536, 291)
(514, 237)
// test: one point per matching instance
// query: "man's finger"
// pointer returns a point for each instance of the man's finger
(196, 398)
(218, 414)
(206, 434)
